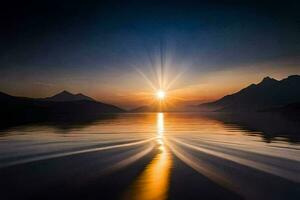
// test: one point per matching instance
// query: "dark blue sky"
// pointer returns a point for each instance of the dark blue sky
(95, 46)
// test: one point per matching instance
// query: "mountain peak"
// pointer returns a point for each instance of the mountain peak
(268, 80)
(68, 96)
(65, 92)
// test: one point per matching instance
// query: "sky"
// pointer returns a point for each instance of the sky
(120, 52)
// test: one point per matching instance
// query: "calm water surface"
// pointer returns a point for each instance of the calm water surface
(153, 156)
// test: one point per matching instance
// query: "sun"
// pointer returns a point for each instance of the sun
(160, 94)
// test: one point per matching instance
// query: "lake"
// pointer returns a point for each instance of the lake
(153, 156)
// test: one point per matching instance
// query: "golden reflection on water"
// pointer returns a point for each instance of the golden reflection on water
(153, 182)
(160, 125)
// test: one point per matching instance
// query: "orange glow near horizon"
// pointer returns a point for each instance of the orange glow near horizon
(181, 89)
(129, 91)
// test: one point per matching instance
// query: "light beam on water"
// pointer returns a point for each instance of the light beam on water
(153, 182)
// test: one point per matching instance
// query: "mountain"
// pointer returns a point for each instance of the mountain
(144, 109)
(154, 107)
(30, 109)
(67, 96)
(269, 93)
(4, 97)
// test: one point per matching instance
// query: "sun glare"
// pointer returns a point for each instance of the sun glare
(160, 94)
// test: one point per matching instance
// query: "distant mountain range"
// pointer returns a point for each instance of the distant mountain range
(268, 95)
(64, 105)
(142, 109)
(147, 108)
(155, 107)
(67, 96)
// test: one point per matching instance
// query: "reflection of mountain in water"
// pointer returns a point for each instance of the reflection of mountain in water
(195, 157)
(268, 125)
(63, 126)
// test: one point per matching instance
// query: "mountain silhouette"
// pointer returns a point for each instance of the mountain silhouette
(43, 109)
(67, 96)
(145, 108)
(268, 94)
(154, 107)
